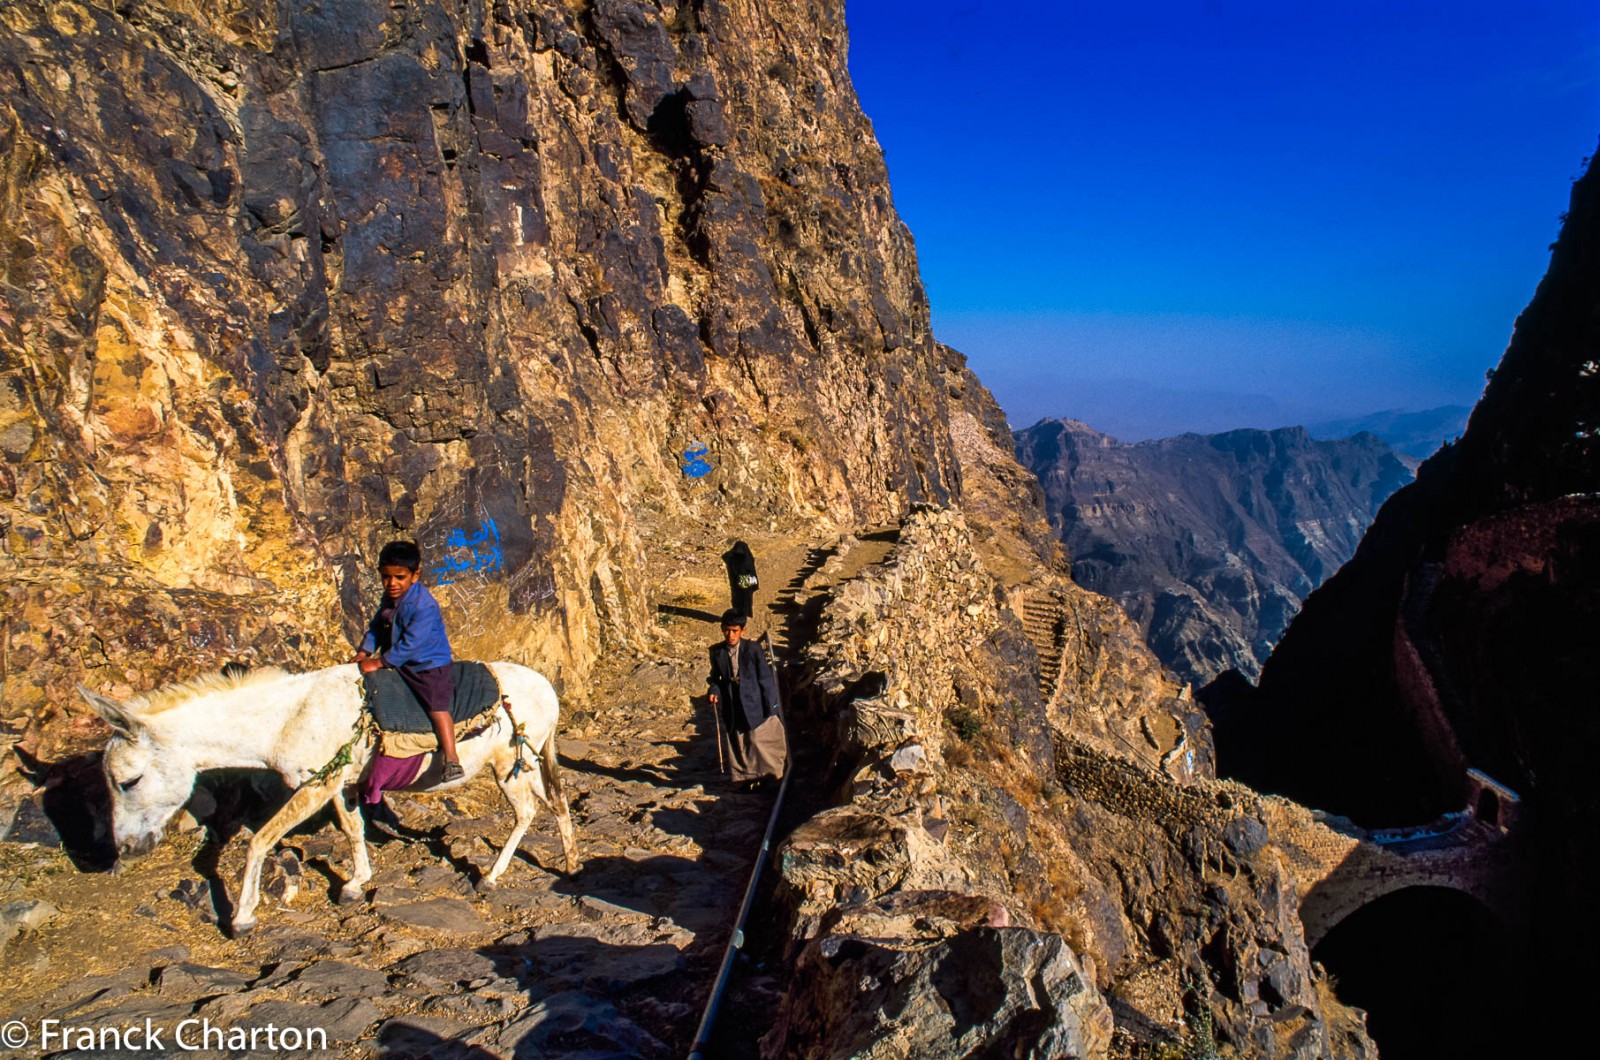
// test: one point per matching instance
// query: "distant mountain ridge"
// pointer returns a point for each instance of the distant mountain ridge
(1209, 542)
(1416, 434)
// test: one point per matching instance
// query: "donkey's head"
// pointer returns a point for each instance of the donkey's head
(150, 780)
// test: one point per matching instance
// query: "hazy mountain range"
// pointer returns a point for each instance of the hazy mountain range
(1417, 434)
(1209, 542)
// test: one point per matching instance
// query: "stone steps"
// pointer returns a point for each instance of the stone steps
(799, 605)
(1044, 621)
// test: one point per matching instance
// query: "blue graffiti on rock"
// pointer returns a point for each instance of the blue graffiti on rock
(695, 464)
(478, 554)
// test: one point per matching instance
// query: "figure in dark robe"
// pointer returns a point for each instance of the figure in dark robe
(742, 582)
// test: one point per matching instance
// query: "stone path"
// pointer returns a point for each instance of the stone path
(614, 962)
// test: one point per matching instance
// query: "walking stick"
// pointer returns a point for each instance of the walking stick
(716, 712)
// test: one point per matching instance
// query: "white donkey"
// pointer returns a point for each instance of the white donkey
(308, 728)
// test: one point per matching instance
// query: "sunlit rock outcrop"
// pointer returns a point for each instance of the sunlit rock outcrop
(1145, 905)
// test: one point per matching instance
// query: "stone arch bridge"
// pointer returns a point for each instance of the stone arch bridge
(1339, 867)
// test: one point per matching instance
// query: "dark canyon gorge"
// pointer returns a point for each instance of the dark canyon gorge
(573, 294)
(1456, 637)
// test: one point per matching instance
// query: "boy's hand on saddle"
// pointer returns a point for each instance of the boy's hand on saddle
(369, 663)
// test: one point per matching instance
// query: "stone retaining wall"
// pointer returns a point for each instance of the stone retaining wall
(966, 827)
(912, 937)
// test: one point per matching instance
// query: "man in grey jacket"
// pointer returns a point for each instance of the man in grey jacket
(744, 692)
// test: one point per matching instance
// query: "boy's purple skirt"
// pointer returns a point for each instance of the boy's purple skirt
(389, 774)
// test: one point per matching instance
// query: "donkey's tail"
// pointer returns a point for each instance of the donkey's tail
(558, 800)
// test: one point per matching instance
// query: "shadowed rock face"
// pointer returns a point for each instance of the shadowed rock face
(283, 281)
(1209, 542)
(993, 991)
(1462, 632)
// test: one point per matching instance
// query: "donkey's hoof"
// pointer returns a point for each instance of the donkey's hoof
(351, 892)
(485, 885)
(241, 928)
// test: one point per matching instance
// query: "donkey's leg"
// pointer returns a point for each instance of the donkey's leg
(556, 797)
(355, 829)
(311, 797)
(518, 791)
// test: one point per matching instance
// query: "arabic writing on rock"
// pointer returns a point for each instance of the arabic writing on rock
(477, 554)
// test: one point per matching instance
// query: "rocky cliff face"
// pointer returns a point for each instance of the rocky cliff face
(1209, 542)
(522, 281)
(1461, 633)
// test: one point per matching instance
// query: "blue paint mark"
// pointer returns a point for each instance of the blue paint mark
(694, 461)
(478, 554)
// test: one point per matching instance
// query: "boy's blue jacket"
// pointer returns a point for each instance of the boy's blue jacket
(417, 636)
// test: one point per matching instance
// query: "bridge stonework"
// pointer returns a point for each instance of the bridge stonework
(1340, 867)
(1337, 866)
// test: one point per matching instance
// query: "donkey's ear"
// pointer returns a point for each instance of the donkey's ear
(112, 712)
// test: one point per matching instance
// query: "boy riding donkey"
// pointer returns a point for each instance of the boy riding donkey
(407, 635)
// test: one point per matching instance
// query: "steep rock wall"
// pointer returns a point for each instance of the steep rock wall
(1451, 637)
(283, 281)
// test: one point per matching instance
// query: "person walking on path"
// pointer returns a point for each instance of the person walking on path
(742, 581)
(744, 693)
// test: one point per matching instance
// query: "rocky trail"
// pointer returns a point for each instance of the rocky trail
(616, 961)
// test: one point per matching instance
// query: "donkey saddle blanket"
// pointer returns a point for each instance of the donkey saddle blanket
(395, 708)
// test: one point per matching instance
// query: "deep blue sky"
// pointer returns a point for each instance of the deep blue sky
(1172, 216)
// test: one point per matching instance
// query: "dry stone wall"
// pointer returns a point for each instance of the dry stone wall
(1161, 906)
(918, 664)
(932, 622)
